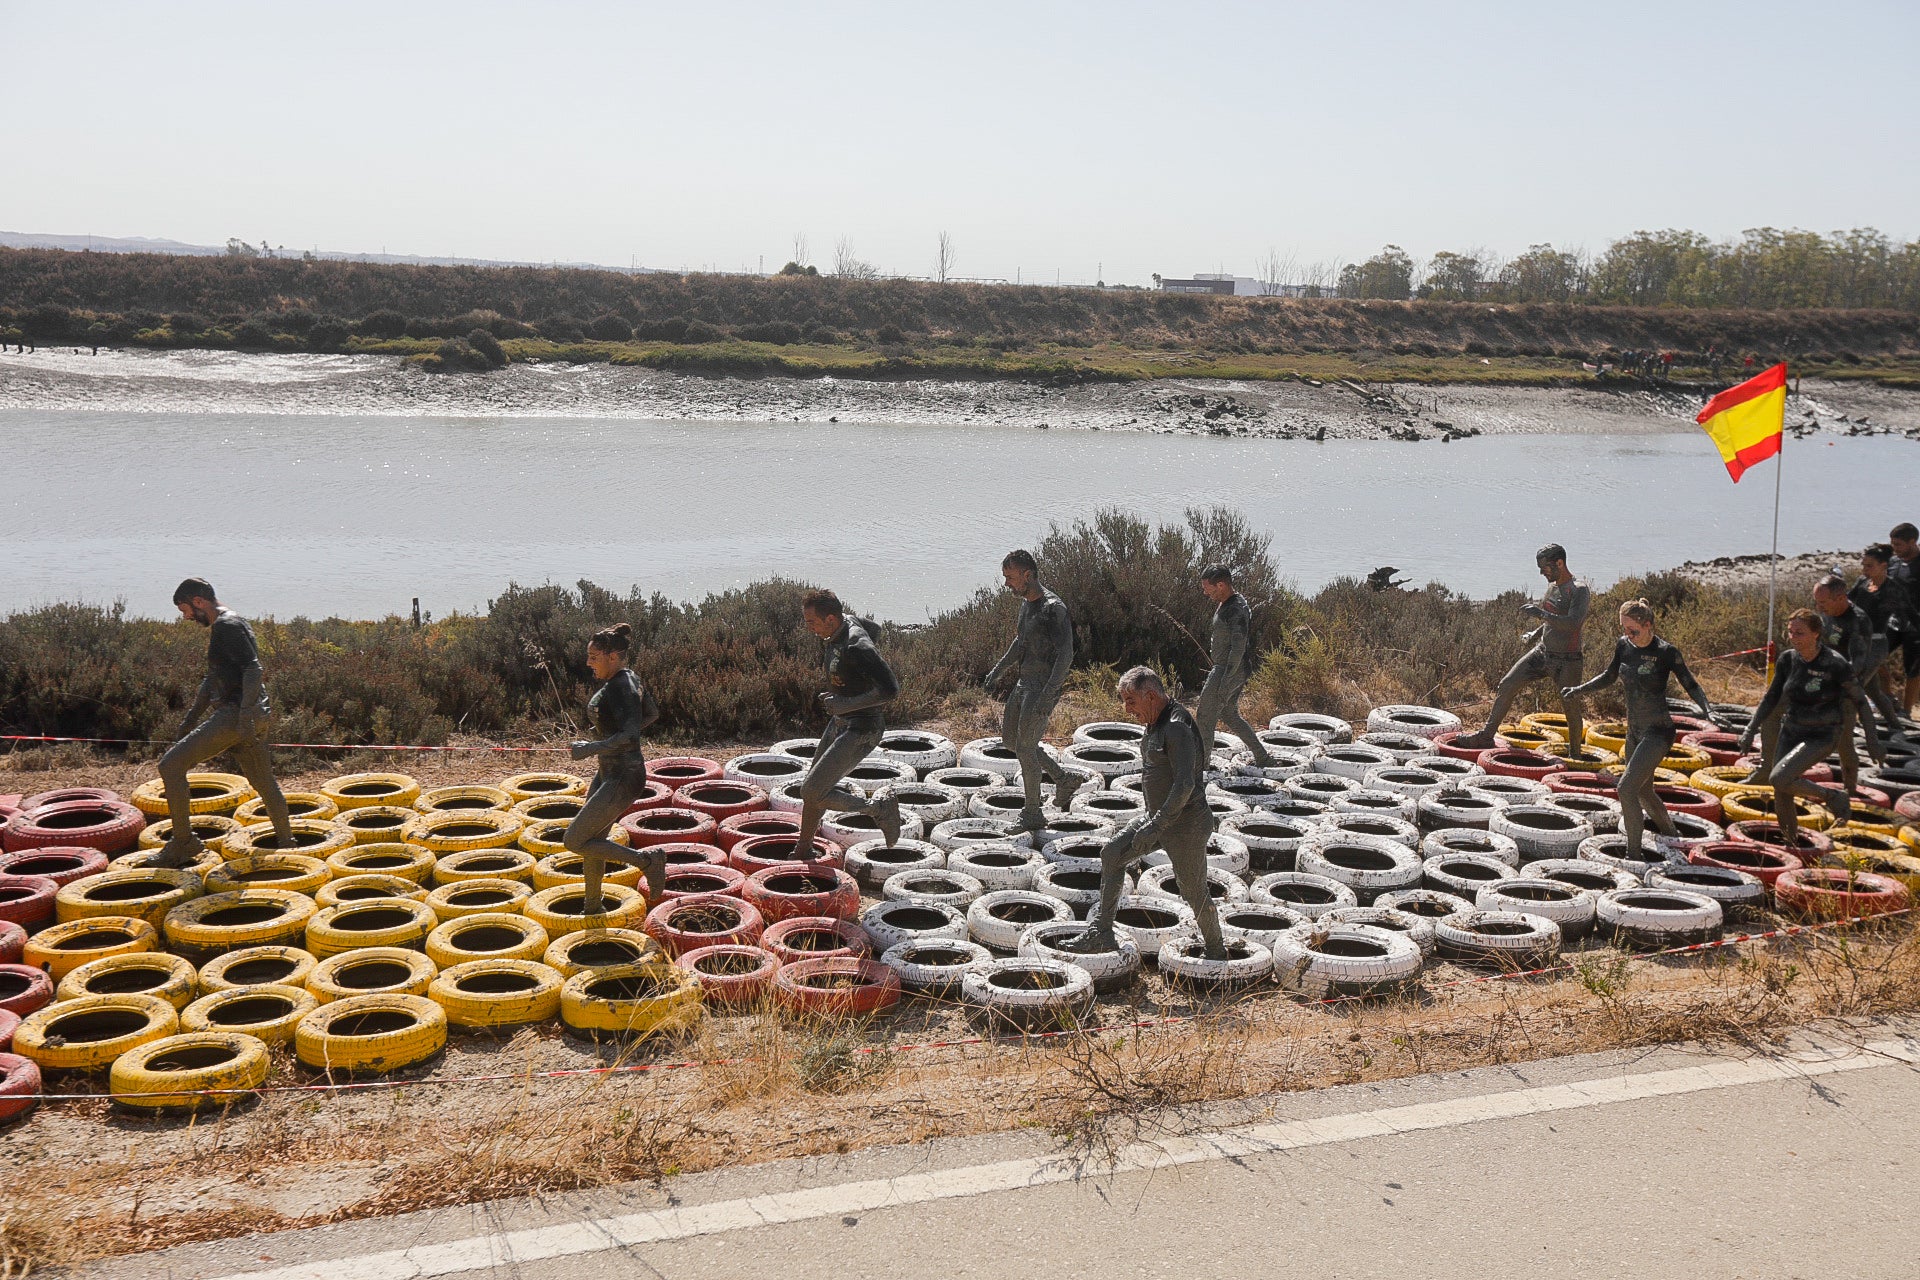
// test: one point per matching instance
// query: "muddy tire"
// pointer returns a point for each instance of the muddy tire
(872, 862)
(1110, 970)
(1570, 908)
(1509, 940)
(1327, 960)
(1310, 895)
(892, 923)
(1655, 919)
(1027, 994)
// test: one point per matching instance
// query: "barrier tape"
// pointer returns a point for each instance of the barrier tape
(1739, 653)
(641, 1068)
(284, 746)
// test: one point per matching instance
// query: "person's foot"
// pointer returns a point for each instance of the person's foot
(1070, 781)
(593, 904)
(1480, 741)
(887, 815)
(1092, 940)
(178, 853)
(1261, 760)
(1757, 778)
(1031, 820)
(1842, 811)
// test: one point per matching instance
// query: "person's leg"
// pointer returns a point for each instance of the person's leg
(1187, 851)
(1642, 758)
(1116, 856)
(1026, 718)
(586, 835)
(1567, 672)
(1237, 725)
(213, 735)
(1849, 754)
(1871, 680)
(840, 750)
(1912, 665)
(1788, 781)
(1206, 714)
(1530, 667)
(1769, 747)
(256, 764)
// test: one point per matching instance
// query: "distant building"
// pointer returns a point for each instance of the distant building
(1236, 286)
(1199, 284)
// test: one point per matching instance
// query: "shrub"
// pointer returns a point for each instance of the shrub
(780, 332)
(610, 328)
(673, 329)
(329, 333)
(699, 331)
(383, 324)
(48, 322)
(254, 333)
(489, 347)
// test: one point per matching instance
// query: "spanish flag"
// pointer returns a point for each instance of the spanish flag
(1746, 421)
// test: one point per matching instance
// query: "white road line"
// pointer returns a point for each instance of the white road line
(598, 1235)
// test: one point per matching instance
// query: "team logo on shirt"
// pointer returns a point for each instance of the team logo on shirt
(1813, 685)
(1646, 668)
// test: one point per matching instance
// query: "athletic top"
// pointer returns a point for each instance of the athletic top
(1566, 608)
(1643, 673)
(1042, 645)
(621, 711)
(1173, 770)
(1847, 634)
(859, 681)
(1813, 694)
(230, 651)
(1886, 608)
(1231, 649)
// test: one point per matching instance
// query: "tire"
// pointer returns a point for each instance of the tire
(1326, 960)
(765, 769)
(310, 805)
(23, 989)
(875, 773)
(601, 949)
(785, 797)
(1075, 883)
(145, 892)
(1148, 922)
(463, 799)
(871, 862)
(221, 922)
(371, 1035)
(292, 872)
(1110, 970)
(1830, 893)
(1585, 873)
(484, 994)
(67, 795)
(1253, 792)
(1717, 780)
(758, 853)
(1509, 791)
(917, 750)
(484, 864)
(1379, 826)
(1310, 895)
(561, 909)
(1384, 804)
(731, 975)
(720, 798)
(1261, 922)
(990, 755)
(848, 829)
(1725, 885)
(1764, 863)
(811, 937)
(802, 889)
(207, 793)
(1428, 904)
(488, 935)
(1077, 850)
(1570, 908)
(1401, 746)
(270, 1014)
(1027, 994)
(1272, 841)
(930, 803)
(837, 987)
(1602, 813)
(1001, 804)
(388, 790)
(13, 941)
(316, 838)
(1508, 762)
(997, 866)
(1755, 804)
(148, 973)
(961, 833)
(406, 861)
(188, 1071)
(1103, 760)
(1322, 729)
(1367, 865)
(1457, 808)
(1509, 940)
(385, 922)
(377, 823)
(1406, 780)
(1582, 782)
(744, 826)
(1808, 846)
(889, 924)
(656, 795)
(1114, 806)
(1110, 731)
(371, 971)
(465, 898)
(1453, 769)
(211, 829)
(1353, 760)
(252, 967)
(1321, 788)
(934, 966)
(62, 948)
(110, 826)
(1463, 874)
(1224, 854)
(29, 901)
(678, 771)
(1468, 840)
(1421, 722)
(1416, 928)
(1184, 964)
(1654, 919)
(1222, 886)
(965, 780)
(571, 868)
(687, 924)
(1540, 831)
(87, 1034)
(996, 919)
(1693, 832)
(461, 831)
(702, 878)
(527, 788)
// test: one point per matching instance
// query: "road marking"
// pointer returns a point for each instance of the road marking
(601, 1234)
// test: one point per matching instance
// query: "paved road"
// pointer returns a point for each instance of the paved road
(1660, 1164)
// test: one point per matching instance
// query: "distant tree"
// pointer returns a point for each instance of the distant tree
(944, 255)
(48, 322)
(240, 249)
(253, 334)
(1544, 274)
(1452, 277)
(610, 328)
(795, 269)
(383, 324)
(329, 333)
(699, 331)
(1276, 271)
(1387, 274)
(801, 256)
(560, 328)
(847, 265)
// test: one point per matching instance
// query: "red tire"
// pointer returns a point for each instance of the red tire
(690, 855)
(1765, 862)
(1721, 748)
(1830, 893)
(24, 989)
(1821, 773)
(678, 771)
(1443, 743)
(66, 795)
(816, 937)
(19, 1085)
(1582, 782)
(13, 941)
(720, 798)
(667, 825)
(61, 865)
(802, 889)
(764, 822)
(27, 900)
(1874, 796)
(731, 974)
(687, 924)
(1908, 807)
(837, 986)
(107, 825)
(9, 1023)
(1510, 762)
(757, 853)
(1690, 801)
(658, 796)
(703, 878)
(1808, 846)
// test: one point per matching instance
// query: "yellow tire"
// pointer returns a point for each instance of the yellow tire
(61, 949)
(484, 864)
(1865, 841)
(465, 898)
(361, 790)
(407, 861)
(1549, 724)
(1718, 779)
(539, 786)
(562, 807)
(601, 949)
(1910, 837)
(89, 1033)
(203, 866)
(461, 830)
(463, 800)
(210, 828)
(1902, 866)
(561, 909)
(378, 823)
(257, 967)
(208, 793)
(222, 922)
(1522, 738)
(570, 868)
(1755, 804)
(294, 872)
(1682, 758)
(497, 993)
(269, 1013)
(146, 892)
(631, 1000)
(371, 1034)
(383, 922)
(364, 888)
(310, 805)
(488, 935)
(1872, 817)
(188, 1071)
(371, 971)
(1591, 757)
(143, 973)
(545, 837)
(312, 838)
(1608, 735)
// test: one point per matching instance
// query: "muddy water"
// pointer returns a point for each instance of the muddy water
(354, 514)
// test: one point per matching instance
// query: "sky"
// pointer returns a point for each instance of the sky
(1108, 140)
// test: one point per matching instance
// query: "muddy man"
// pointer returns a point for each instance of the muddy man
(1177, 818)
(621, 711)
(859, 685)
(1042, 652)
(235, 689)
(1555, 652)
(1231, 652)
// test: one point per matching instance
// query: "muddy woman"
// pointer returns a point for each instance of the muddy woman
(621, 711)
(1042, 654)
(1554, 654)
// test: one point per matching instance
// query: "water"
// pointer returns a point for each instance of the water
(353, 515)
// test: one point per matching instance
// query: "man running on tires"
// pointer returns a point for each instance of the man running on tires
(1042, 652)
(1177, 819)
(1231, 650)
(235, 689)
(859, 684)
(1555, 653)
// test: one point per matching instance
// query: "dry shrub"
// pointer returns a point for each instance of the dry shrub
(1110, 1089)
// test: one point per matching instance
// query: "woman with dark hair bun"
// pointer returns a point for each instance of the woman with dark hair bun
(622, 710)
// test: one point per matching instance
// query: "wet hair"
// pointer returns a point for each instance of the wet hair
(1020, 558)
(1549, 553)
(194, 588)
(617, 638)
(1879, 551)
(1833, 584)
(1141, 678)
(822, 603)
(1807, 616)
(1905, 532)
(1639, 610)
(1217, 573)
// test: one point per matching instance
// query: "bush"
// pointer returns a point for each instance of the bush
(383, 324)
(489, 347)
(699, 331)
(672, 329)
(328, 334)
(610, 328)
(48, 322)
(779, 332)
(561, 328)
(253, 334)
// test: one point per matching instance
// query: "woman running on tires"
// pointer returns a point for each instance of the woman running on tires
(1885, 602)
(621, 710)
(1810, 682)
(1643, 663)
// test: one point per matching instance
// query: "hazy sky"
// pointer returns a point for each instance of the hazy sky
(1114, 137)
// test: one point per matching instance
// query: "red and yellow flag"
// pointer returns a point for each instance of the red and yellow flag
(1746, 421)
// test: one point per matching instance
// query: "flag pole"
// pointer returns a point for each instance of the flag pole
(1773, 560)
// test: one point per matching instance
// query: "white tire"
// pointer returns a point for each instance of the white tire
(1026, 993)
(1184, 962)
(1312, 896)
(1075, 883)
(1368, 865)
(1110, 970)
(1601, 812)
(957, 833)
(1510, 791)
(964, 780)
(1249, 791)
(1583, 873)
(1402, 746)
(1271, 840)
(1103, 760)
(1353, 760)
(784, 797)
(1566, 906)
(949, 888)
(767, 769)
(1610, 851)
(1405, 780)
(1463, 874)
(1418, 929)
(1286, 764)
(1260, 922)
(918, 750)
(891, 923)
(1541, 831)
(1111, 805)
(873, 863)
(1420, 722)
(931, 802)
(1509, 939)
(997, 866)
(1322, 788)
(1455, 770)
(1467, 840)
(1428, 904)
(1003, 803)
(934, 966)
(1061, 826)
(1655, 919)
(992, 756)
(1385, 803)
(1148, 921)
(1159, 882)
(1224, 853)
(1111, 731)
(1728, 886)
(995, 920)
(1282, 738)
(1322, 960)
(1456, 807)
(799, 748)
(1692, 834)
(877, 772)
(1074, 850)
(1322, 729)
(848, 829)
(1386, 826)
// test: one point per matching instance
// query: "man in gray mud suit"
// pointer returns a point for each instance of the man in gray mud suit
(1177, 818)
(1231, 650)
(1555, 652)
(1042, 652)
(235, 689)
(859, 684)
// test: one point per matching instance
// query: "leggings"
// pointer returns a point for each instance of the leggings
(1560, 670)
(217, 733)
(1639, 802)
(1801, 749)
(842, 748)
(1876, 688)
(1186, 849)
(607, 799)
(1021, 727)
(1221, 704)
